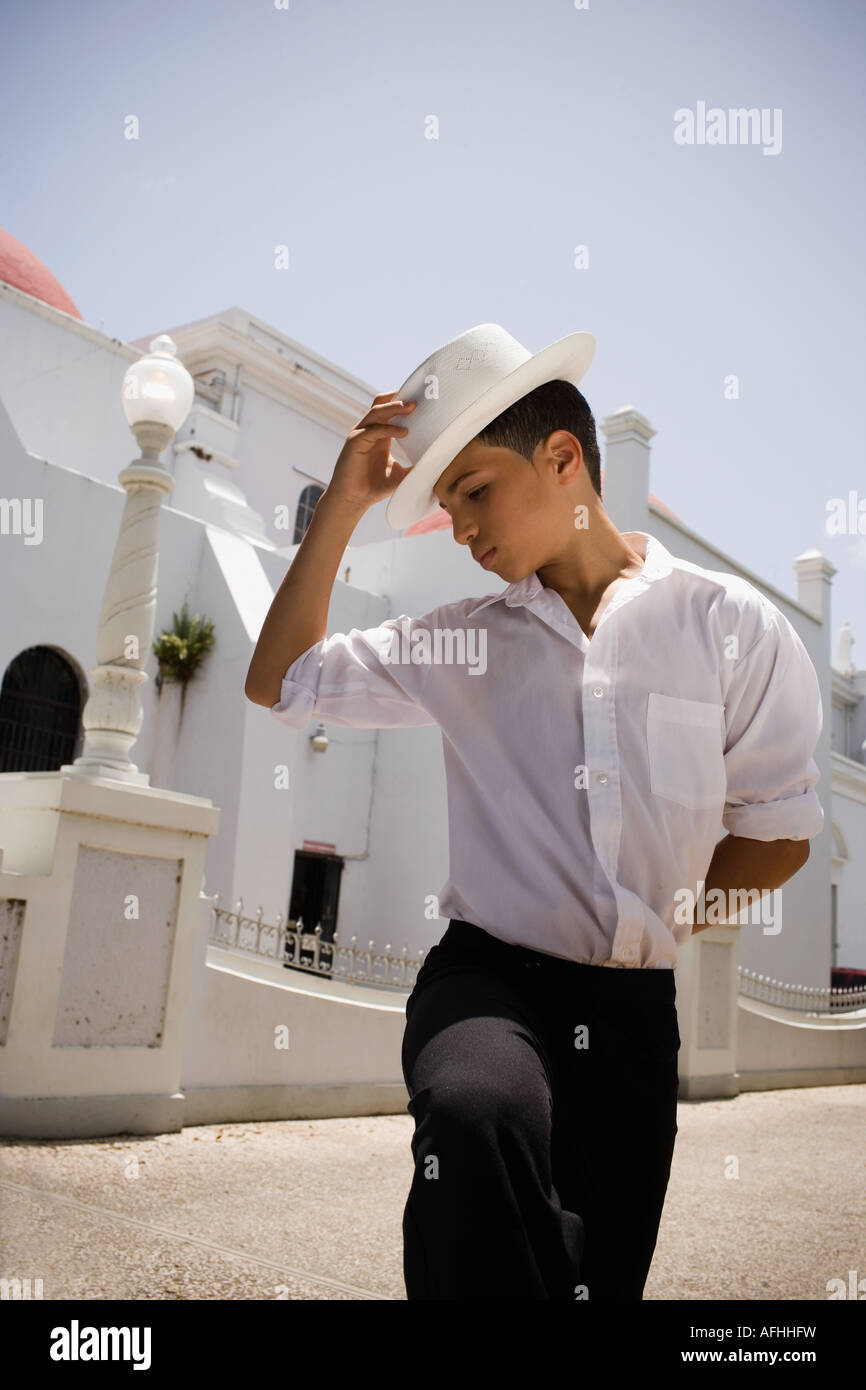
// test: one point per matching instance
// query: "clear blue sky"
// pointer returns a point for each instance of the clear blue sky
(262, 126)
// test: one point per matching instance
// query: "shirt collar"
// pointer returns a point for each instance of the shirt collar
(658, 562)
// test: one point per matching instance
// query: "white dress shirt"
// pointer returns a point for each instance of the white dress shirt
(589, 779)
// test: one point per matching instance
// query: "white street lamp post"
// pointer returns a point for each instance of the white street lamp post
(157, 396)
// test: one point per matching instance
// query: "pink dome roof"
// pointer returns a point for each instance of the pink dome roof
(440, 520)
(20, 268)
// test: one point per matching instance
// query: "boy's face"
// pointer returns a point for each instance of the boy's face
(523, 511)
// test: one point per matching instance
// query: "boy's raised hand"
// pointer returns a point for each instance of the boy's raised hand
(365, 472)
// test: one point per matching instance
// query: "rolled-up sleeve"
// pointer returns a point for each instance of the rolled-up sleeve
(773, 719)
(357, 679)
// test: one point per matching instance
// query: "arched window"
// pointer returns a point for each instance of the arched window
(306, 506)
(41, 700)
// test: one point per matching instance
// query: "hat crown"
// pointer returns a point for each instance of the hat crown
(452, 379)
(457, 391)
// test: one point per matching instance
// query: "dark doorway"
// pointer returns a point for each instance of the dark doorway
(40, 712)
(315, 898)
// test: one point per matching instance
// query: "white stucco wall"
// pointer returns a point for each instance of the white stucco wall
(789, 1053)
(60, 382)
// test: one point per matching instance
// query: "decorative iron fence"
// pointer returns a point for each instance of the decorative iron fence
(808, 999)
(290, 944)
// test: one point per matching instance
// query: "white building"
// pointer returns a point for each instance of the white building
(343, 838)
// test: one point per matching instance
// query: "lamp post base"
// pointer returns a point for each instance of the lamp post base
(83, 767)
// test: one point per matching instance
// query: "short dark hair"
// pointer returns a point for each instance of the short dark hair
(555, 405)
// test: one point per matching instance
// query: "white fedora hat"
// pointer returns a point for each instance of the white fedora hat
(458, 390)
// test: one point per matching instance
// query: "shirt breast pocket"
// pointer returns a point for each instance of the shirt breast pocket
(685, 746)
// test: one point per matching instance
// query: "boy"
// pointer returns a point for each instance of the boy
(630, 704)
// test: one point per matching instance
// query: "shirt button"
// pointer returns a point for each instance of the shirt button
(628, 952)
(598, 690)
(602, 777)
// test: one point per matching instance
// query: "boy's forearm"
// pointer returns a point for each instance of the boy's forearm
(746, 866)
(298, 616)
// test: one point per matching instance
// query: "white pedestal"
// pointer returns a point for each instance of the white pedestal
(99, 903)
(707, 984)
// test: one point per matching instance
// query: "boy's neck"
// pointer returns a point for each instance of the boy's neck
(598, 557)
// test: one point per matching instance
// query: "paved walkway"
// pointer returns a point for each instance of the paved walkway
(313, 1209)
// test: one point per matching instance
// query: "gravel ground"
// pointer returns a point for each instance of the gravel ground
(298, 1209)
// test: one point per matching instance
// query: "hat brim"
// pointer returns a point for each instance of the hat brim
(413, 499)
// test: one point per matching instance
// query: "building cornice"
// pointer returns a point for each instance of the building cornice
(848, 778)
(841, 687)
(276, 366)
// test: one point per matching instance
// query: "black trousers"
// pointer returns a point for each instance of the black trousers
(544, 1094)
